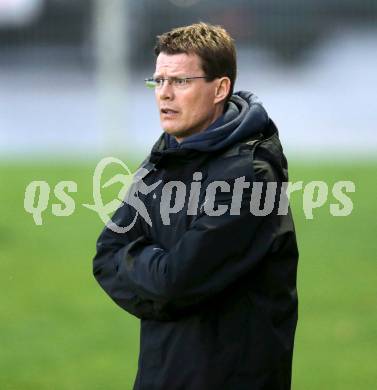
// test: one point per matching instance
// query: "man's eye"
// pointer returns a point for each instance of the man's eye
(158, 81)
(180, 82)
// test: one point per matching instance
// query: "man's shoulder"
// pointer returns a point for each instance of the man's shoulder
(233, 162)
(256, 158)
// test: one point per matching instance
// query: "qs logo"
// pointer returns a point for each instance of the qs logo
(174, 196)
(37, 195)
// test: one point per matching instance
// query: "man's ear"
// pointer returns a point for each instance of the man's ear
(222, 89)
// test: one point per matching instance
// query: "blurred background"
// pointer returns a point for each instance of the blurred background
(72, 92)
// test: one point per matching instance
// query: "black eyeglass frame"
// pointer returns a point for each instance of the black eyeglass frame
(153, 83)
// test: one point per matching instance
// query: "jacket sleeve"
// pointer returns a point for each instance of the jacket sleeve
(211, 255)
(106, 268)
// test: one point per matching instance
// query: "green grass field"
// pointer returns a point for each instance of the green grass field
(59, 331)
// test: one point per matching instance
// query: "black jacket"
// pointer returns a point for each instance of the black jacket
(216, 294)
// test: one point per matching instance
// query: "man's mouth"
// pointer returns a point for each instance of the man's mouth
(168, 111)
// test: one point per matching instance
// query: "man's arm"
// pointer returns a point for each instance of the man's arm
(106, 264)
(151, 282)
(213, 253)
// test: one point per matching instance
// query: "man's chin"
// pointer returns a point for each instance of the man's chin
(177, 133)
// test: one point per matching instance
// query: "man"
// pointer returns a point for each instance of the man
(210, 271)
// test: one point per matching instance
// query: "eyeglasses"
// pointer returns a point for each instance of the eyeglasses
(176, 82)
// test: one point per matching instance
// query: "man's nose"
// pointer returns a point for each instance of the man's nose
(166, 91)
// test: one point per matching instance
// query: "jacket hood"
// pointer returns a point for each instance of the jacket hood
(244, 117)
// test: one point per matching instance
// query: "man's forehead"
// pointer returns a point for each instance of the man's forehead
(177, 63)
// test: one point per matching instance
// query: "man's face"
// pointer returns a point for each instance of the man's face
(188, 110)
